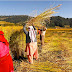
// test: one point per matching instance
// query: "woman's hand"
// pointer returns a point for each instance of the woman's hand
(32, 24)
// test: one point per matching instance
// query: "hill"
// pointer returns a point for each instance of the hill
(59, 21)
(15, 18)
(54, 21)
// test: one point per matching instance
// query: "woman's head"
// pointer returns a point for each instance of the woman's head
(30, 28)
(44, 28)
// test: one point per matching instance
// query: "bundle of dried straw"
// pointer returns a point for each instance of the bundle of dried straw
(39, 20)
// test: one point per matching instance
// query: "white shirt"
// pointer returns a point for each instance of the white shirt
(43, 33)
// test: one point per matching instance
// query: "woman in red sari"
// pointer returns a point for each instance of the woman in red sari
(6, 63)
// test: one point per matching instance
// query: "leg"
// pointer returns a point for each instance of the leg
(42, 40)
(30, 58)
(36, 55)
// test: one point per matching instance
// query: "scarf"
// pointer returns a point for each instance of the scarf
(32, 34)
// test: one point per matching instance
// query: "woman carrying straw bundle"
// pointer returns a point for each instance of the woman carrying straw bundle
(42, 35)
(31, 43)
(6, 64)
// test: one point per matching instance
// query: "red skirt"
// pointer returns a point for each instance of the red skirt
(6, 64)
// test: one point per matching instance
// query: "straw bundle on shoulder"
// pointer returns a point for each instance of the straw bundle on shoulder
(37, 21)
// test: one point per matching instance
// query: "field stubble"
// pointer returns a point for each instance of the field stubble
(55, 56)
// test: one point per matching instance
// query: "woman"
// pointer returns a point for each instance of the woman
(6, 64)
(31, 43)
(42, 35)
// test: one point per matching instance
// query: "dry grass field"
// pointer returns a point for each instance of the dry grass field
(54, 56)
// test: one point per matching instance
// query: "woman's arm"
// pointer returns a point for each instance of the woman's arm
(33, 26)
(34, 29)
(24, 29)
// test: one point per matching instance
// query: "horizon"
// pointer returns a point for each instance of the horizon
(26, 15)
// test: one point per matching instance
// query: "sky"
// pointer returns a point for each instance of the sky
(35, 7)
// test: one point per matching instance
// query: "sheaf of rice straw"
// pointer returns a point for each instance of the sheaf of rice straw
(44, 15)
